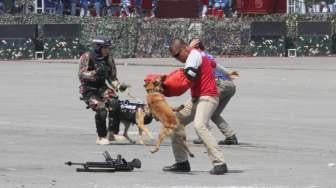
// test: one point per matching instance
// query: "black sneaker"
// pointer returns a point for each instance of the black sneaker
(219, 169)
(198, 141)
(232, 140)
(178, 167)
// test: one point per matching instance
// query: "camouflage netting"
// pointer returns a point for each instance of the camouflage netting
(222, 37)
(270, 46)
(149, 37)
(16, 49)
(313, 46)
(155, 35)
(61, 48)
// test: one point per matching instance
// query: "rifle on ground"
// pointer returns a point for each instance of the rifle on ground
(110, 165)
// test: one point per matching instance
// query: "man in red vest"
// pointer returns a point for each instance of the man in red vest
(226, 89)
(199, 70)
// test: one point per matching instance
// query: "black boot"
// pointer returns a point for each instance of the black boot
(114, 115)
(219, 169)
(198, 141)
(178, 167)
(232, 140)
(100, 119)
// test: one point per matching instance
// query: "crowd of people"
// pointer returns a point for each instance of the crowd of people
(129, 8)
(313, 6)
(121, 8)
(101, 7)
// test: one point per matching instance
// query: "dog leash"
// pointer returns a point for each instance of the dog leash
(128, 93)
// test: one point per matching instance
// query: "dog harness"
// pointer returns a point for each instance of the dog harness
(128, 111)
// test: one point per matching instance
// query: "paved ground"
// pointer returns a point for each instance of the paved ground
(284, 115)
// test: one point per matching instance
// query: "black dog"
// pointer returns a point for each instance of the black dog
(135, 113)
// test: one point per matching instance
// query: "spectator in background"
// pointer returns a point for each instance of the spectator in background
(2, 7)
(16, 8)
(126, 4)
(113, 7)
(84, 8)
(98, 5)
(108, 4)
(316, 7)
(73, 4)
(49, 5)
(147, 8)
(59, 7)
(138, 7)
(154, 8)
(204, 7)
(222, 4)
(220, 7)
(330, 4)
(324, 7)
(301, 6)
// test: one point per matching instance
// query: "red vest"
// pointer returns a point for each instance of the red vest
(204, 84)
(176, 83)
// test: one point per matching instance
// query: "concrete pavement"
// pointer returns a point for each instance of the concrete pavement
(283, 112)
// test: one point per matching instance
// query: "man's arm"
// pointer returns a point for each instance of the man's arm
(192, 64)
(231, 73)
(84, 73)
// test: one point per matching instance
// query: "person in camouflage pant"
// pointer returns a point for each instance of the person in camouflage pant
(99, 87)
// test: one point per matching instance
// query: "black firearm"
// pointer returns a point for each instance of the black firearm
(110, 165)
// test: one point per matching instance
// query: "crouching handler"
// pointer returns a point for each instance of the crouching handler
(98, 87)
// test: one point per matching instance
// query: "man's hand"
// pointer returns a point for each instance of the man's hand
(194, 43)
(233, 75)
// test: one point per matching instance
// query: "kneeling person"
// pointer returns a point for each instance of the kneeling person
(98, 85)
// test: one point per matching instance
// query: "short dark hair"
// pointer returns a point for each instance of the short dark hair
(176, 45)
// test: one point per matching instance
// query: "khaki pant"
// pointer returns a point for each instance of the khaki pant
(201, 112)
(226, 89)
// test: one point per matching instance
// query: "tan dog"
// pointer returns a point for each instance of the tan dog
(162, 112)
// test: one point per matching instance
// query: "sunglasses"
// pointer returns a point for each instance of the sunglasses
(177, 55)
